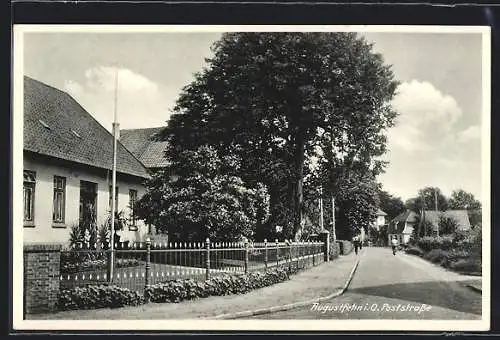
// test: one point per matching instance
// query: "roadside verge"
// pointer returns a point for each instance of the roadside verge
(280, 308)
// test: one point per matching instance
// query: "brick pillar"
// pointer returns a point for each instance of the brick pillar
(324, 237)
(41, 277)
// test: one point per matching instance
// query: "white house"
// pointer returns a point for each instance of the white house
(68, 160)
(380, 220)
(402, 226)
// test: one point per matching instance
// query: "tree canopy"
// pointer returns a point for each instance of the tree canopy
(205, 201)
(391, 205)
(279, 102)
(461, 199)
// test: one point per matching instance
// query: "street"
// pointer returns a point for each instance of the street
(396, 287)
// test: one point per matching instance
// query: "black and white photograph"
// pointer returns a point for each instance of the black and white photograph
(251, 177)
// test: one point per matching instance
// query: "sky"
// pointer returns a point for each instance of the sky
(436, 140)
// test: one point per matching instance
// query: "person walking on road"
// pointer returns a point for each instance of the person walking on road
(394, 244)
(356, 244)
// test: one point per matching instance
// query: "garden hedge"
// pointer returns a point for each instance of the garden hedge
(188, 289)
(345, 246)
(415, 251)
(429, 243)
(334, 250)
(98, 296)
(102, 296)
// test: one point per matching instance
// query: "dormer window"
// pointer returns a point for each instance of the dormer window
(45, 125)
(76, 133)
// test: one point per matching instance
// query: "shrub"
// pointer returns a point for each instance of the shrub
(101, 296)
(415, 251)
(447, 225)
(334, 250)
(456, 254)
(469, 241)
(345, 247)
(436, 256)
(188, 289)
(429, 243)
(68, 266)
(467, 265)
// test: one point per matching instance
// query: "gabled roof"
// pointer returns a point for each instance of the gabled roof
(56, 125)
(142, 143)
(407, 216)
(381, 213)
(397, 224)
(460, 216)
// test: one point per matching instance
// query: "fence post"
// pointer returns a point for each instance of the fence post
(313, 248)
(290, 255)
(246, 257)
(295, 253)
(325, 239)
(148, 268)
(300, 255)
(265, 253)
(277, 253)
(207, 261)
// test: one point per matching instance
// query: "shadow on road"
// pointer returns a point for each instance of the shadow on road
(452, 295)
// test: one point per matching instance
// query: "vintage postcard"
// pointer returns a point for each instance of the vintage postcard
(251, 177)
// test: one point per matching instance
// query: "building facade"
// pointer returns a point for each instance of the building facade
(67, 159)
(401, 227)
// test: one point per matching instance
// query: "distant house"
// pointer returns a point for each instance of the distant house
(461, 217)
(380, 220)
(67, 161)
(402, 226)
(143, 144)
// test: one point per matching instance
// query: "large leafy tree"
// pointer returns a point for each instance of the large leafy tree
(205, 201)
(391, 205)
(461, 199)
(279, 99)
(358, 201)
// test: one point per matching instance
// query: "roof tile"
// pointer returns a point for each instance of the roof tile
(66, 120)
(142, 143)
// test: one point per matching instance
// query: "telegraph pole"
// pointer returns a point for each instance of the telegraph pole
(423, 213)
(436, 207)
(321, 208)
(334, 232)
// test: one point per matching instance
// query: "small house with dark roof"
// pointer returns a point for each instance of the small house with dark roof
(145, 146)
(68, 158)
(461, 218)
(402, 226)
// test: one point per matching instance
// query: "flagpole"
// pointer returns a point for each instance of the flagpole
(113, 186)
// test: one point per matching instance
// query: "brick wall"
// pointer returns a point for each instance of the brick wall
(41, 277)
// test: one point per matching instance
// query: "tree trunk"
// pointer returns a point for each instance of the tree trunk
(299, 192)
